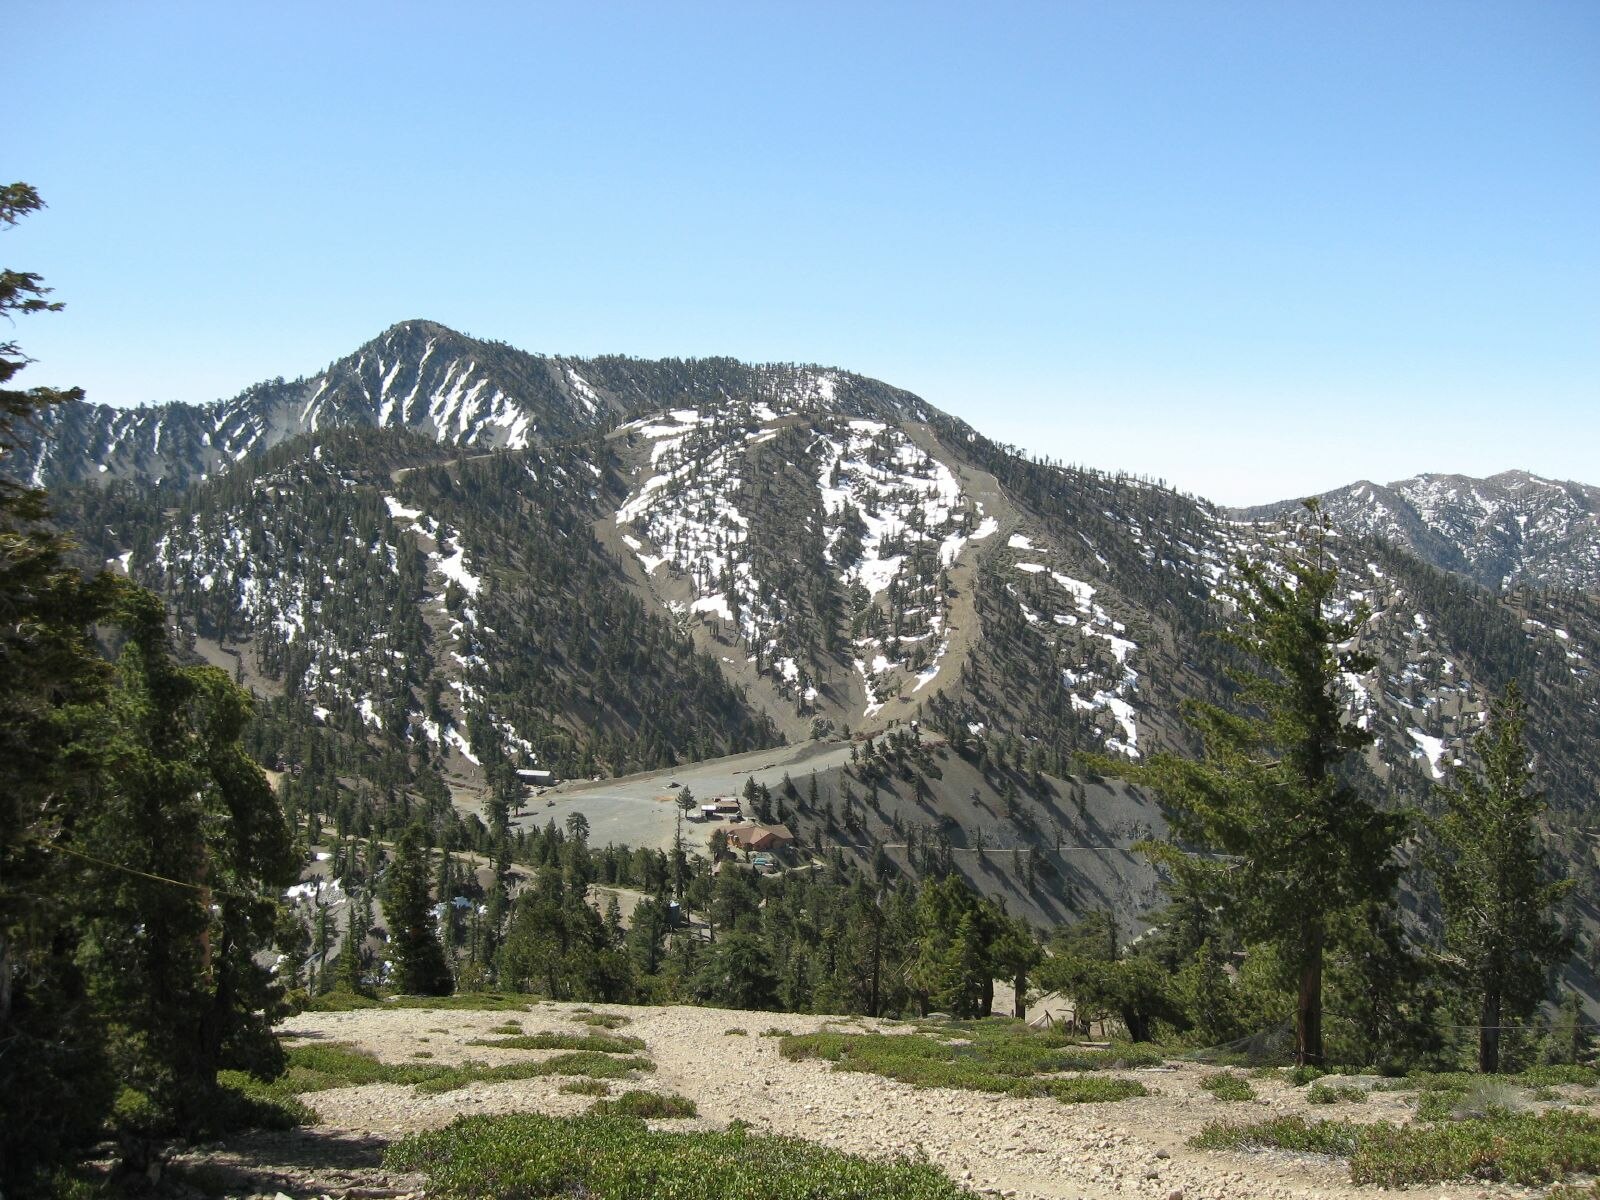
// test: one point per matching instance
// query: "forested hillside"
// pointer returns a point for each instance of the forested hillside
(447, 559)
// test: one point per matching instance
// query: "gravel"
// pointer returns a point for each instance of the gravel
(1030, 1149)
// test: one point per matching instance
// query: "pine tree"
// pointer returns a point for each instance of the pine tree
(419, 965)
(1500, 930)
(1289, 843)
(53, 1071)
(200, 852)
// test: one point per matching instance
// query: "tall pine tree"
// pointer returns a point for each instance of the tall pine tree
(1287, 842)
(1501, 934)
(54, 1073)
(419, 965)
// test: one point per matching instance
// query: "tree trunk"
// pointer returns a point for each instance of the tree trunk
(877, 967)
(1308, 1008)
(1138, 1025)
(1019, 1004)
(1489, 1034)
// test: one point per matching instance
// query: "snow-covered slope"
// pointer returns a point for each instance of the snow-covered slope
(425, 378)
(1508, 529)
(830, 547)
(417, 376)
(809, 538)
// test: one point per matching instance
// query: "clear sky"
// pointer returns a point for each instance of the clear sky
(1255, 249)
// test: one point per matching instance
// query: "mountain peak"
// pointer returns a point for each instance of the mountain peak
(1508, 528)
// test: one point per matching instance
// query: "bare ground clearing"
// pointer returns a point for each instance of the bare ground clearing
(1031, 1149)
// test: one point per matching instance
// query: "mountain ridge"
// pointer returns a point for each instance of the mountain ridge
(417, 374)
(439, 558)
(1500, 530)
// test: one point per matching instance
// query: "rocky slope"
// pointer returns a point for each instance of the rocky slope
(1029, 1149)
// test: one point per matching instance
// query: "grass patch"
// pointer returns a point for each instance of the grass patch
(1525, 1149)
(1225, 1085)
(774, 1031)
(603, 1020)
(422, 1054)
(317, 1068)
(593, 1065)
(1337, 1138)
(1556, 1075)
(645, 1106)
(735, 1032)
(507, 1028)
(1001, 1057)
(1335, 1093)
(587, 1087)
(619, 1158)
(600, 1043)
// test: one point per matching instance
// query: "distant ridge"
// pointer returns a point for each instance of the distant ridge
(1508, 529)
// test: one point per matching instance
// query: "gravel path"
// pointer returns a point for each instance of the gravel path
(1036, 1149)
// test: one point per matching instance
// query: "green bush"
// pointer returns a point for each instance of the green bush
(645, 1106)
(317, 1067)
(1517, 1148)
(527, 1155)
(1525, 1149)
(594, 1065)
(1437, 1104)
(1006, 1058)
(1302, 1075)
(1326, 1093)
(1225, 1085)
(587, 1087)
(603, 1020)
(598, 1042)
(1337, 1138)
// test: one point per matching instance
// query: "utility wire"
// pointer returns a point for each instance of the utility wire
(193, 887)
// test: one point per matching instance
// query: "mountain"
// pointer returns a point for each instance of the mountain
(417, 376)
(442, 560)
(1507, 530)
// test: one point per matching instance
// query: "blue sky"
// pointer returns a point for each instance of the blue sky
(1256, 249)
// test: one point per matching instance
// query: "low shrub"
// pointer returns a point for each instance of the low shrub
(318, 1067)
(603, 1020)
(1006, 1059)
(1518, 1148)
(601, 1043)
(1337, 1138)
(1524, 1149)
(1225, 1085)
(1335, 1093)
(620, 1158)
(645, 1106)
(587, 1087)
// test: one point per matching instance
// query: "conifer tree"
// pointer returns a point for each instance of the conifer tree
(198, 852)
(419, 965)
(53, 1069)
(1500, 929)
(1288, 842)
